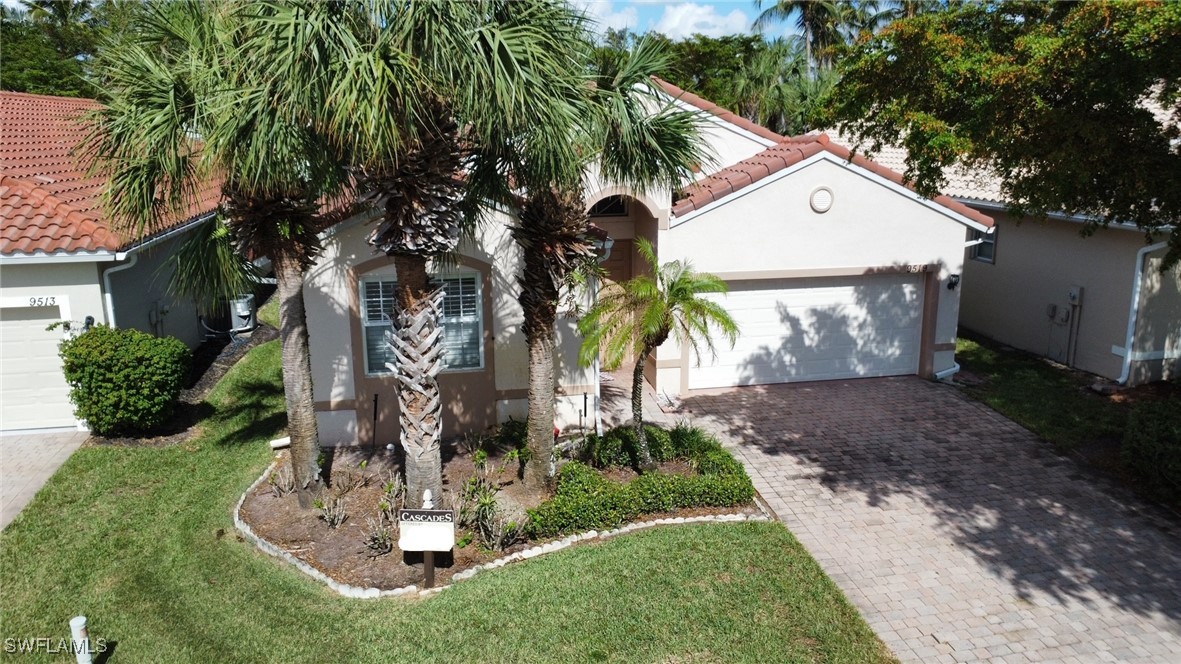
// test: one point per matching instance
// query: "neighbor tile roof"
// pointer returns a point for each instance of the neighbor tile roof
(962, 182)
(714, 109)
(788, 152)
(48, 203)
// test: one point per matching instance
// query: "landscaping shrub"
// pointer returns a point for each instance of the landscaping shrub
(124, 381)
(617, 447)
(586, 500)
(512, 435)
(1152, 448)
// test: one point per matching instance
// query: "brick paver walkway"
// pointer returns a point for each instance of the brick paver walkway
(958, 534)
(26, 463)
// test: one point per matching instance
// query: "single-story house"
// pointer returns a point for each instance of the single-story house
(836, 269)
(61, 259)
(1100, 303)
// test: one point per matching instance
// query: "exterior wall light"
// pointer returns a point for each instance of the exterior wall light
(953, 281)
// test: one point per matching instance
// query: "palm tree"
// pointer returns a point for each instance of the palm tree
(185, 105)
(630, 135)
(640, 314)
(433, 151)
(819, 22)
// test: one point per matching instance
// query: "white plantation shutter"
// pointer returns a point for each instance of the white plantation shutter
(462, 321)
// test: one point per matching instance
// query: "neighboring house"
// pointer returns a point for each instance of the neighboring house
(836, 271)
(62, 259)
(1098, 303)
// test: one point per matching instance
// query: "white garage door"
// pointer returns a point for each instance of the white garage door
(33, 391)
(818, 329)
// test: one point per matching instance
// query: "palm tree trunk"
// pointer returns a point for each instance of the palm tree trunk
(540, 436)
(297, 379)
(644, 457)
(418, 350)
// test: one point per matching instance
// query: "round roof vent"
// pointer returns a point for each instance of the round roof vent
(821, 199)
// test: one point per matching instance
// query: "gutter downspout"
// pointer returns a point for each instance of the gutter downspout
(133, 252)
(1134, 309)
(108, 297)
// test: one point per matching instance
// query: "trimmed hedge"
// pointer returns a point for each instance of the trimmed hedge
(124, 381)
(586, 500)
(1152, 448)
(617, 447)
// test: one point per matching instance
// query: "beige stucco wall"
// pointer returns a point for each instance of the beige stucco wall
(142, 301)
(78, 283)
(1037, 263)
(772, 231)
(474, 399)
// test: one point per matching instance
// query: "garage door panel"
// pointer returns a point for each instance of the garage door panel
(33, 391)
(818, 329)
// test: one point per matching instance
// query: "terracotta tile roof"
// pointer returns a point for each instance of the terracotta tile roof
(788, 152)
(48, 204)
(714, 109)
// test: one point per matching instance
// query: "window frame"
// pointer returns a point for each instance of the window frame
(460, 272)
(985, 239)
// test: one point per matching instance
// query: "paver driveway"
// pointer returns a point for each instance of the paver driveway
(958, 534)
(27, 462)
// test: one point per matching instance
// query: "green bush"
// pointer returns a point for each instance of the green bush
(586, 500)
(124, 381)
(513, 434)
(1152, 448)
(617, 447)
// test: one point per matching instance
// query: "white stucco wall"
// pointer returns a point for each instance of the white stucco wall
(728, 145)
(771, 230)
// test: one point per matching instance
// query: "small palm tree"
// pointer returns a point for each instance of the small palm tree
(639, 315)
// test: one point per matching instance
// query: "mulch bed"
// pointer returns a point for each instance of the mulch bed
(341, 553)
(211, 360)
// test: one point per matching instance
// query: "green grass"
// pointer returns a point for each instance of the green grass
(1051, 401)
(141, 541)
(269, 312)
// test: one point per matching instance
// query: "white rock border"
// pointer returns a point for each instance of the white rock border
(355, 592)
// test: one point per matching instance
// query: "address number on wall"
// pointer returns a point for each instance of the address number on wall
(918, 268)
(43, 301)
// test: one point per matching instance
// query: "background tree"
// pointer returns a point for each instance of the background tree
(186, 75)
(1074, 106)
(630, 134)
(820, 22)
(639, 315)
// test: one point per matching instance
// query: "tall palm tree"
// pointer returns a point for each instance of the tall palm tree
(640, 314)
(630, 135)
(185, 104)
(819, 22)
(433, 151)
(764, 83)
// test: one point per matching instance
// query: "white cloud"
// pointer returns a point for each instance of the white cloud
(687, 18)
(604, 14)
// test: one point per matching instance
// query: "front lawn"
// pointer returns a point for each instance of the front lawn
(141, 541)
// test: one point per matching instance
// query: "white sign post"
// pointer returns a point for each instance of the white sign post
(426, 530)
